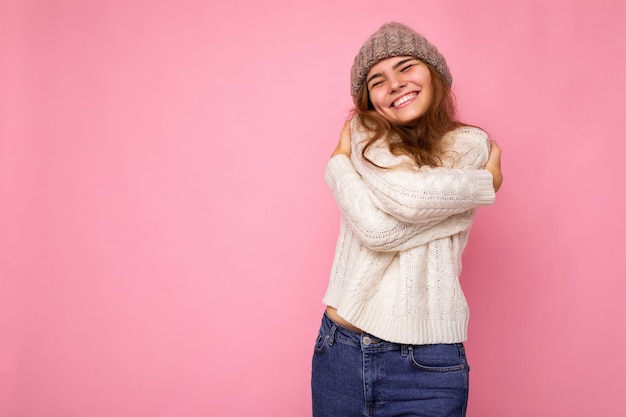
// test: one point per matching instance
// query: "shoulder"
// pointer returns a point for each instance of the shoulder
(469, 146)
(470, 134)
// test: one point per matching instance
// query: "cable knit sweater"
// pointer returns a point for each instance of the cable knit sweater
(403, 231)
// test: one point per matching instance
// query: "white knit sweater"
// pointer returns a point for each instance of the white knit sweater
(403, 231)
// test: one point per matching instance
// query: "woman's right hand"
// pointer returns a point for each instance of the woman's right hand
(345, 141)
(493, 165)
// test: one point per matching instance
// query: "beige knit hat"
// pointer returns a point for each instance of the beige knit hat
(395, 39)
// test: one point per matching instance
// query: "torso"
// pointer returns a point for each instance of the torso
(332, 313)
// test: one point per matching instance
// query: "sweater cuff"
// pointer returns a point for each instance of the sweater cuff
(486, 193)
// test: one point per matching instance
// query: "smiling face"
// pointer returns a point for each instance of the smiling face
(400, 89)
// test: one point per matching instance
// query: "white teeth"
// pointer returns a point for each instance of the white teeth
(404, 99)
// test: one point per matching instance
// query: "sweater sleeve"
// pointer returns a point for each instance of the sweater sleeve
(376, 229)
(413, 194)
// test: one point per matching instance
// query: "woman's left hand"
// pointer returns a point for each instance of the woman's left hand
(493, 165)
(345, 141)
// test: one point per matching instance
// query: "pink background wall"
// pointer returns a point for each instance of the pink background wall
(166, 235)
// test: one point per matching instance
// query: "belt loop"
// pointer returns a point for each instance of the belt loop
(405, 350)
(331, 334)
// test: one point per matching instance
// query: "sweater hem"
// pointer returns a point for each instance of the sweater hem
(401, 329)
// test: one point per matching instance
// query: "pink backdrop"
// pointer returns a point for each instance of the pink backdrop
(166, 235)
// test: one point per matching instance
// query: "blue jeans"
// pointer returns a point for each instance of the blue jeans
(356, 374)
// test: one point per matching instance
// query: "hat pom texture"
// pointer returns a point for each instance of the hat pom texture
(395, 39)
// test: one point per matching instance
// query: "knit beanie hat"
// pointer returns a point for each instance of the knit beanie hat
(395, 39)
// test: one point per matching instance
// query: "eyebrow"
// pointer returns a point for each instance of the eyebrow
(398, 64)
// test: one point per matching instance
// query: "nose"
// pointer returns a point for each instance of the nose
(396, 83)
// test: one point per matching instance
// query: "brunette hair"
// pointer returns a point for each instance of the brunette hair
(420, 140)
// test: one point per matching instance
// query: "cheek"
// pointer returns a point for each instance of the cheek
(429, 96)
(425, 77)
(376, 101)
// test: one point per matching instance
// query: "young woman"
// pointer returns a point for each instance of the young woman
(407, 177)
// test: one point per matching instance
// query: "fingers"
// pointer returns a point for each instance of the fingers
(495, 153)
(345, 140)
(495, 147)
(345, 132)
(493, 165)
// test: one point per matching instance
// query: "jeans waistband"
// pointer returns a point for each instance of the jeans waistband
(337, 333)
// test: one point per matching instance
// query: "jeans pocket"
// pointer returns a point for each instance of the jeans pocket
(438, 358)
(320, 342)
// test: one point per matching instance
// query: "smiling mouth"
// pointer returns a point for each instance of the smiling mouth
(404, 99)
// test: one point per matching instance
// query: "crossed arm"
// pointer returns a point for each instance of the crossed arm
(397, 209)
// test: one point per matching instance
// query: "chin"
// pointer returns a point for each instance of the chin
(411, 121)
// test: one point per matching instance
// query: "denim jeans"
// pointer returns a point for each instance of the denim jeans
(356, 374)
